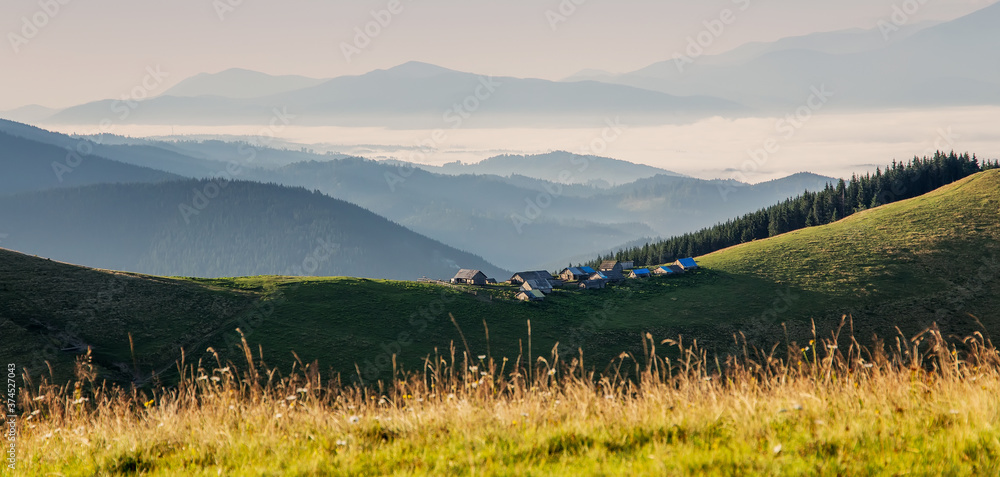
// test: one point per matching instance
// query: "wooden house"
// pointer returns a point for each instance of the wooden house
(640, 273)
(521, 277)
(687, 264)
(469, 277)
(543, 286)
(530, 295)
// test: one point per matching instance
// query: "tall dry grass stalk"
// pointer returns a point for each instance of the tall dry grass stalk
(215, 405)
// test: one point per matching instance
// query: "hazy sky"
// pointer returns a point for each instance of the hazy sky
(95, 49)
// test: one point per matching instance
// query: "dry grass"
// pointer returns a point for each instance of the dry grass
(923, 405)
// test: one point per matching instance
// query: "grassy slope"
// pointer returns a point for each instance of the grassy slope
(52, 311)
(908, 264)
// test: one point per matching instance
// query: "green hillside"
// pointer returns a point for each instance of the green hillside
(935, 258)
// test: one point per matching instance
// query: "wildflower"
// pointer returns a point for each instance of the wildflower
(552, 371)
(473, 368)
(278, 416)
(35, 412)
(354, 419)
(148, 403)
(302, 390)
(797, 407)
(291, 397)
(482, 357)
(216, 379)
(341, 443)
(777, 449)
(608, 397)
(39, 398)
(202, 378)
(482, 373)
(81, 400)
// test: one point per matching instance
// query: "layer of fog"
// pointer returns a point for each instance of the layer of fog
(829, 143)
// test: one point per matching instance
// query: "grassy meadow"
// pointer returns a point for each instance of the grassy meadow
(925, 406)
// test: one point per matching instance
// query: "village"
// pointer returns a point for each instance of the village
(536, 285)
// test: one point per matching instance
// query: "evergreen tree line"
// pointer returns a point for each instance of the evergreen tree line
(897, 182)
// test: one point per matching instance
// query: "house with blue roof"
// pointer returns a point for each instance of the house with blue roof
(669, 270)
(573, 274)
(687, 264)
(640, 273)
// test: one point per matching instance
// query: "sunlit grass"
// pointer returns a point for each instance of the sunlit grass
(829, 407)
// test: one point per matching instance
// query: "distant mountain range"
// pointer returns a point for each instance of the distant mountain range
(889, 65)
(558, 167)
(921, 65)
(412, 95)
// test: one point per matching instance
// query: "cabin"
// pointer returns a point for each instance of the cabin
(612, 271)
(669, 270)
(522, 277)
(530, 295)
(543, 286)
(687, 264)
(574, 274)
(593, 284)
(640, 273)
(469, 277)
(628, 265)
(588, 270)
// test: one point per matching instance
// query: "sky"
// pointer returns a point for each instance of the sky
(74, 51)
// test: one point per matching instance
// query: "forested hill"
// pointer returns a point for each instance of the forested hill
(196, 228)
(898, 182)
(27, 165)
